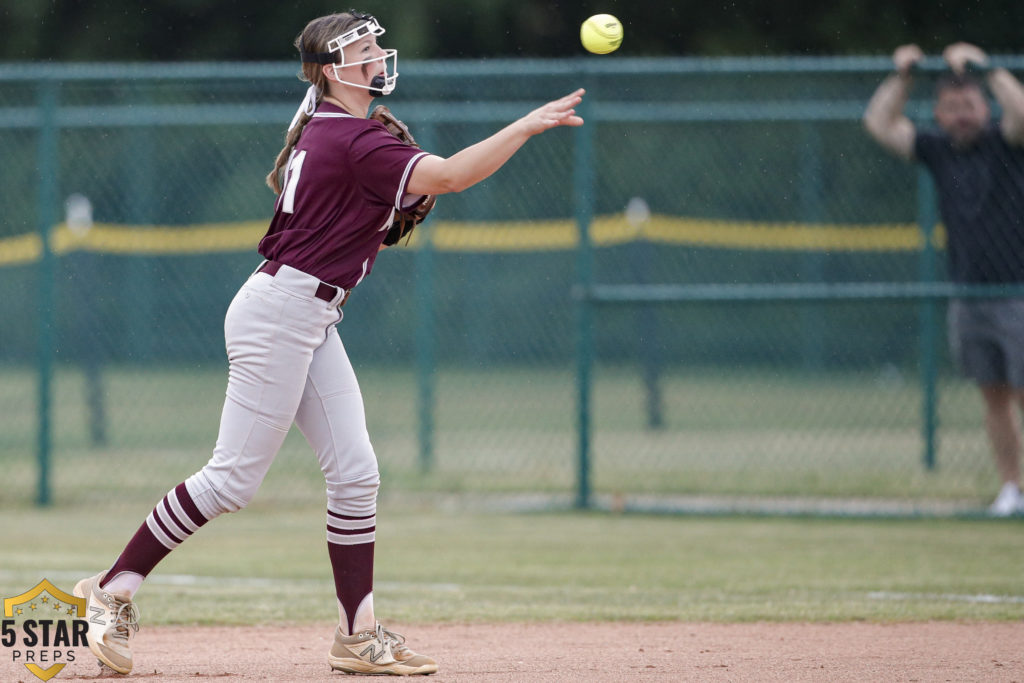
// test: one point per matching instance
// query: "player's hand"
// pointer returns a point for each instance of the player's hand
(561, 112)
(905, 57)
(958, 55)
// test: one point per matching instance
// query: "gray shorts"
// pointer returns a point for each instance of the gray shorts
(986, 338)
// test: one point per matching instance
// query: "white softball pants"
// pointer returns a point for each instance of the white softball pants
(287, 364)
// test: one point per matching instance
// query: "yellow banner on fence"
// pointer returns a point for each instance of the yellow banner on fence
(508, 236)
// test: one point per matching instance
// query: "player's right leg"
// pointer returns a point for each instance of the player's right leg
(271, 334)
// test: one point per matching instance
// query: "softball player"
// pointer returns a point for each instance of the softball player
(340, 180)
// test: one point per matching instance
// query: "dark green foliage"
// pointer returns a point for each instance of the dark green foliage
(193, 30)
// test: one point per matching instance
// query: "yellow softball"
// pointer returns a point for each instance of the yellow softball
(601, 34)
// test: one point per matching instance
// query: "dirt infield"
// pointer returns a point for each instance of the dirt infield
(934, 651)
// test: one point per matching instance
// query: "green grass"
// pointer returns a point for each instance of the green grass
(513, 429)
(265, 565)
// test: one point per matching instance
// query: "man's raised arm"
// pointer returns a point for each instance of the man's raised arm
(884, 118)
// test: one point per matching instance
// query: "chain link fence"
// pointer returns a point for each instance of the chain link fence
(489, 361)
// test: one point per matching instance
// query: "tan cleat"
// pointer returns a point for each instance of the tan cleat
(401, 653)
(377, 651)
(112, 620)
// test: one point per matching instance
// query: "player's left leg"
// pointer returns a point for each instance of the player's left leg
(332, 418)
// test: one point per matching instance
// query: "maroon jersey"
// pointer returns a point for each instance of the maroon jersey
(344, 181)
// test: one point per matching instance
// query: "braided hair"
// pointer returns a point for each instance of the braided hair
(311, 43)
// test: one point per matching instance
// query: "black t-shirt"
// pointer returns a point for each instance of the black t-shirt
(981, 199)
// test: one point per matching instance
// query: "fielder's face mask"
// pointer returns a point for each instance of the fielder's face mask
(382, 84)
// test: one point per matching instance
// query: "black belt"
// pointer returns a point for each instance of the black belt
(324, 291)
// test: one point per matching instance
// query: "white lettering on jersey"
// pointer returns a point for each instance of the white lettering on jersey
(292, 181)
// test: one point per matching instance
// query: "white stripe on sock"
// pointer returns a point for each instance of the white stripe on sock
(168, 519)
(350, 524)
(354, 539)
(159, 533)
(172, 498)
(367, 510)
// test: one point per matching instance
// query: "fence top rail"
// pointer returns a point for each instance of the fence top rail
(85, 71)
(794, 292)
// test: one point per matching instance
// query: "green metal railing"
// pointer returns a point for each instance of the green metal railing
(609, 104)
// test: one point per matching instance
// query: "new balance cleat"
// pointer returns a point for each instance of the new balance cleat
(377, 651)
(113, 619)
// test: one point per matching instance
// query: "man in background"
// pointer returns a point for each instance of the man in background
(978, 167)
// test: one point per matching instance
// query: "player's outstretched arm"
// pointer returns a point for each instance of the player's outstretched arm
(437, 175)
(884, 118)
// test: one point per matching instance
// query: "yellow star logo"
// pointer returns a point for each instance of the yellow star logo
(34, 598)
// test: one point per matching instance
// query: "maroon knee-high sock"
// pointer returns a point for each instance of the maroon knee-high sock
(174, 519)
(350, 546)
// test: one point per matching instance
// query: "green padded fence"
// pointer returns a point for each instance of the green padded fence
(718, 294)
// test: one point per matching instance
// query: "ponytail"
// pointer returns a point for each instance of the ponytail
(314, 38)
(275, 179)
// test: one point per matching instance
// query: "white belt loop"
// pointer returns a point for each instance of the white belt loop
(338, 299)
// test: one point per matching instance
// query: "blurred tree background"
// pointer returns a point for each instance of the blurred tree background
(177, 30)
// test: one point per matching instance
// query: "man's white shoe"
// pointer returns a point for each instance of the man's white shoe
(1008, 502)
(112, 619)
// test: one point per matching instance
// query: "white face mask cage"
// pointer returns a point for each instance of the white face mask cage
(381, 85)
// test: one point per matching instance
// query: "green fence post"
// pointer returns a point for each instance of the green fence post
(425, 333)
(583, 189)
(926, 219)
(141, 271)
(46, 199)
(811, 193)
(642, 252)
